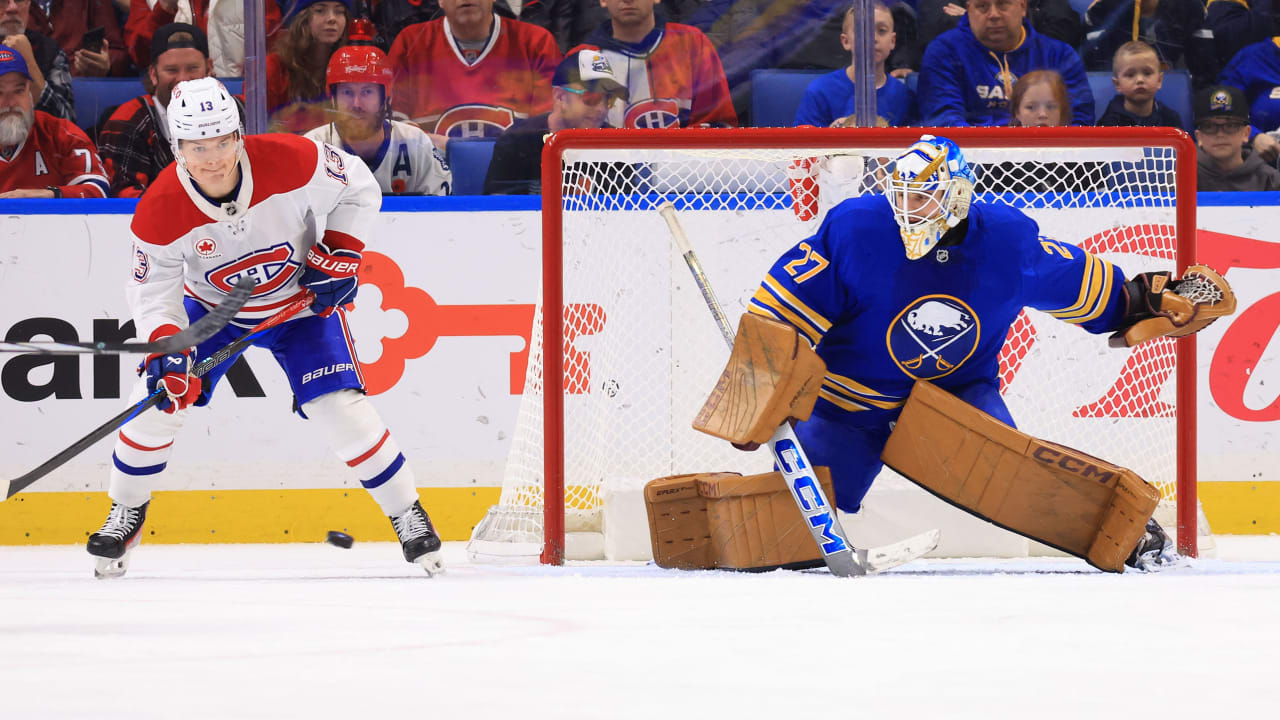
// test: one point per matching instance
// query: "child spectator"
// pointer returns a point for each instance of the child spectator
(1222, 128)
(1136, 73)
(1039, 99)
(1175, 28)
(41, 156)
(829, 100)
(472, 72)
(296, 95)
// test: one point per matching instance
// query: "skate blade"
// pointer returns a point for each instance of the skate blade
(109, 568)
(432, 562)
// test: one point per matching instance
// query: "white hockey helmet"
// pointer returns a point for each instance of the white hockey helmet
(929, 189)
(199, 109)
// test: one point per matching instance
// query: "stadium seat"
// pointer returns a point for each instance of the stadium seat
(469, 161)
(94, 95)
(1175, 92)
(776, 95)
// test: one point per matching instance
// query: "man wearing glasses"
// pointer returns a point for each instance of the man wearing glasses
(582, 92)
(1222, 129)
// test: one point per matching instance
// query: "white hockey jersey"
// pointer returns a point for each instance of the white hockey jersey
(407, 162)
(292, 189)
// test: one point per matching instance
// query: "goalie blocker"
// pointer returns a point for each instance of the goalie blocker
(1061, 497)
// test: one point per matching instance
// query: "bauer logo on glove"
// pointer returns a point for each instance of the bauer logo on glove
(332, 265)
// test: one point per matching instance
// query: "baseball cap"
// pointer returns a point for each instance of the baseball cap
(590, 69)
(164, 39)
(1221, 101)
(12, 61)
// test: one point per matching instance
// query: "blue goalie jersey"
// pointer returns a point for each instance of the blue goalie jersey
(881, 321)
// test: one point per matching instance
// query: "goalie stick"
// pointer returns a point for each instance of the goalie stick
(842, 558)
(19, 484)
(196, 333)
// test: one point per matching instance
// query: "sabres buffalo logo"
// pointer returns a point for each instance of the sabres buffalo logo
(272, 268)
(933, 336)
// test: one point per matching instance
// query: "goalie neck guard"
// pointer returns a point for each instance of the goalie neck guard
(929, 190)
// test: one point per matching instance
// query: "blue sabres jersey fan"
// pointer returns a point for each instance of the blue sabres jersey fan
(882, 320)
(830, 97)
(1256, 71)
(962, 82)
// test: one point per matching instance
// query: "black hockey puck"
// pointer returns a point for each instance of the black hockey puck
(340, 539)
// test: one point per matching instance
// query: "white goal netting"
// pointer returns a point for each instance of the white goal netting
(641, 351)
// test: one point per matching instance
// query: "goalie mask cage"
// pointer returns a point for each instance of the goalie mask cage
(624, 350)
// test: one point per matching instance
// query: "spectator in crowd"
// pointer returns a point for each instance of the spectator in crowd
(1222, 128)
(46, 63)
(1175, 28)
(221, 20)
(296, 96)
(1054, 18)
(1256, 71)
(583, 89)
(472, 72)
(1234, 24)
(135, 140)
(968, 73)
(401, 156)
(43, 156)
(1039, 99)
(1136, 73)
(829, 100)
(69, 21)
(672, 73)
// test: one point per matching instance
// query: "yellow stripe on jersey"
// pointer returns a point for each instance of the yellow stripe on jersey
(852, 389)
(1095, 290)
(813, 316)
(840, 402)
(1089, 267)
(1104, 296)
(787, 315)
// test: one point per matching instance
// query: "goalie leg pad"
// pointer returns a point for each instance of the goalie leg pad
(772, 375)
(728, 521)
(1061, 497)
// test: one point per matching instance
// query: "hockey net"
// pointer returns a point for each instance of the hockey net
(611, 389)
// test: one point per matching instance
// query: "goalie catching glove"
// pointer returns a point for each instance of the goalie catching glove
(1158, 305)
(332, 265)
(171, 373)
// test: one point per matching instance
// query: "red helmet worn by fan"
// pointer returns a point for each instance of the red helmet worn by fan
(359, 64)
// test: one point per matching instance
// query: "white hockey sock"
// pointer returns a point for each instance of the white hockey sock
(359, 438)
(142, 451)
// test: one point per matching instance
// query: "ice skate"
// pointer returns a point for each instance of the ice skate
(418, 539)
(1155, 551)
(115, 540)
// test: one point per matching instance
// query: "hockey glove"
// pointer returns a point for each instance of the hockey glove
(331, 275)
(172, 373)
(1158, 304)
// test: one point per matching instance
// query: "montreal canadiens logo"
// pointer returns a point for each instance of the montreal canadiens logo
(141, 264)
(652, 114)
(272, 268)
(474, 121)
(933, 336)
(207, 248)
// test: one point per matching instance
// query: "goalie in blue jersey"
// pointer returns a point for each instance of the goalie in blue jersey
(922, 283)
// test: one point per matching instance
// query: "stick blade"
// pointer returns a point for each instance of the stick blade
(887, 557)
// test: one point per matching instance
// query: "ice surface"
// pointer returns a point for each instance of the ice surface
(314, 631)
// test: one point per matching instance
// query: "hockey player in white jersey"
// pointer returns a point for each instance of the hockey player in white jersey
(232, 206)
(401, 156)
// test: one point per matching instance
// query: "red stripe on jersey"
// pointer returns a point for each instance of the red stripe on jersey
(246, 308)
(378, 446)
(140, 446)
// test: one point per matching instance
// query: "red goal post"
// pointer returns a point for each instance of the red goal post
(1159, 173)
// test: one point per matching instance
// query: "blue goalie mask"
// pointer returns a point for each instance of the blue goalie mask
(929, 189)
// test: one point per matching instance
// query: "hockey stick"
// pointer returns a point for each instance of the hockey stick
(19, 484)
(841, 557)
(199, 331)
